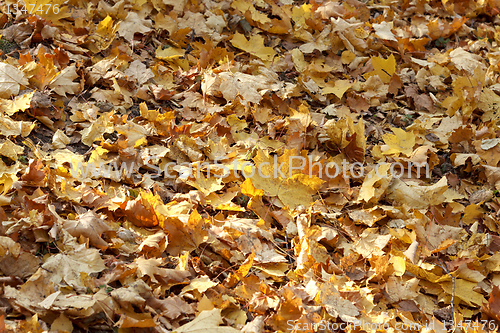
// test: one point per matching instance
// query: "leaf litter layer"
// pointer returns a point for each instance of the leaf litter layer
(188, 90)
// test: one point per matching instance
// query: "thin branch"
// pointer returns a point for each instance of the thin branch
(445, 269)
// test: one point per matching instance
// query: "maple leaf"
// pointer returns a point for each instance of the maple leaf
(105, 33)
(399, 142)
(341, 86)
(383, 30)
(375, 184)
(141, 211)
(11, 79)
(20, 103)
(335, 305)
(31, 293)
(169, 53)
(384, 68)
(133, 23)
(62, 83)
(138, 71)
(172, 307)
(67, 267)
(292, 189)
(186, 231)
(417, 196)
(7, 244)
(90, 226)
(254, 46)
(153, 245)
(207, 321)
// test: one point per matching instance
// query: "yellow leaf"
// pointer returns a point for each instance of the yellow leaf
(200, 284)
(105, 27)
(186, 232)
(60, 140)
(105, 33)
(464, 290)
(278, 177)
(399, 265)
(7, 244)
(10, 150)
(300, 14)
(399, 142)
(384, 68)
(256, 15)
(153, 245)
(20, 103)
(136, 134)
(150, 115)
(132, 319)
(421, 273)
(132, 24)
(142, 211)
(489, 102)
(347, 57)
(11, 127)
(62, 323)
(383, 30)
(230, 207)
(375, 184)
(341, 86)
(275, 269)
(298, 60)
(196, 228)
(299, 190)
(248, 189)
(224, 201)
(254, 46)
(169, 53)
(150, 267)
(206, 185)
(472, 212)
(335, 304)
(246, 266)
(236, 123)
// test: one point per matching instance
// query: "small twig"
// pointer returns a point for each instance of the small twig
(445, 269)
(189, 48)
(46, 269)
(274, 199)
(383, 70)
(290, 260)
(282, 251)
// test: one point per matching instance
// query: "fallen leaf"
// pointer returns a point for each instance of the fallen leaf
(132, 24)
(383, 30)
(89, 225)
(254, 46)
(11, 80)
